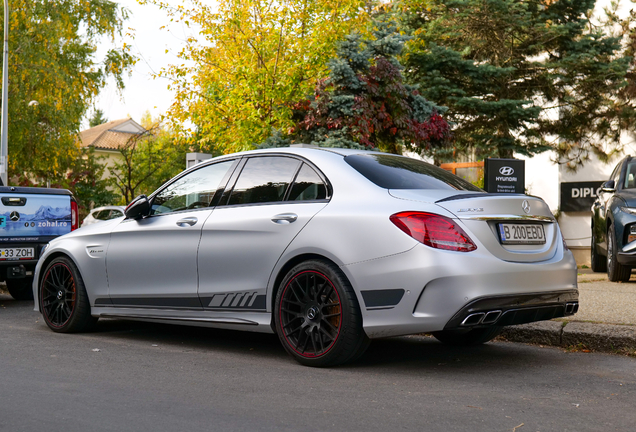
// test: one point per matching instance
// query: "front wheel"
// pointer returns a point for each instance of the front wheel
(468, 337)
(616, 272)
(63, 299)
(317, 316)
(20, 289)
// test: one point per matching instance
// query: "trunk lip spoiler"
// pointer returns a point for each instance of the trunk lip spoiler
(502, 218)
(480, 195)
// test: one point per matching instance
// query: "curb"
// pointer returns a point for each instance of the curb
(607, 338)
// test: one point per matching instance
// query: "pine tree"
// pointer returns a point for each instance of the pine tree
(365, 103)
(97, 118)
(519, 76)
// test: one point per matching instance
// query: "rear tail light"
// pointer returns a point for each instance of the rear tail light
(74, 216)
(434, 230)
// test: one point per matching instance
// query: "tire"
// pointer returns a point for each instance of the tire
(599, 262)
(616, 272)
(317, 316)
(20, 289)
(468, 337)
(63, 299)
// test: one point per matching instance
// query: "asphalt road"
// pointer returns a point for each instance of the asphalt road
(148, 377)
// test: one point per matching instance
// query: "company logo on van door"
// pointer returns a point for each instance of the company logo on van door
(506, 172)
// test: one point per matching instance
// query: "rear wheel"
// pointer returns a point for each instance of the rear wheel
(616, 272)
(599, 262)
(63, 299)
(317, 316)
(20, 289)
(468, 337)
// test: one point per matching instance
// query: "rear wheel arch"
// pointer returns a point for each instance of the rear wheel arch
(290, 264)
(317, 316)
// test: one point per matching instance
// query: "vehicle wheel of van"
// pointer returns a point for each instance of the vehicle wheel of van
(468, 337)
(63, 300)
(20, 289)
(317, 316)
(616, 272)
(599, 262)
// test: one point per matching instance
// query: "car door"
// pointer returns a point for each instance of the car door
(272, 200)
(601, 208)
(152, 262)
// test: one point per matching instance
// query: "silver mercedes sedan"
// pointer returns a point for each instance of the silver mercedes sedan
(327, 248)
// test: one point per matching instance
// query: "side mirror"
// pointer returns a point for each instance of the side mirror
(138, 208)
(609, 186)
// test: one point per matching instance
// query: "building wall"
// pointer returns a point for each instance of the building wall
(110, 157)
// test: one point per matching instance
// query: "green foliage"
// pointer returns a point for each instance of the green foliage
(520, 76)
(52, 60)
(85, 180)
(97, 118)
(276, 139)
(250, 61)
(148, 160)
(364, 103)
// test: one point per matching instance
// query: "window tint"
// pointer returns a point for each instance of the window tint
(630, 176)
(114, 214)
(398, 172)
(307, 186)
(195, 190)
(616, 174)
(264, 179)
(101, 215)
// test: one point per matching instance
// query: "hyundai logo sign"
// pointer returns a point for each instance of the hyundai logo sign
(506, 171)
(504, 175)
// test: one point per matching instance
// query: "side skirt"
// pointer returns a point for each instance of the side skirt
(244, 321)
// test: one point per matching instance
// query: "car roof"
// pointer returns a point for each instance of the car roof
(112, 207)
(305, 150)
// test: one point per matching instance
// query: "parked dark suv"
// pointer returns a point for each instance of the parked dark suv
(614, 223)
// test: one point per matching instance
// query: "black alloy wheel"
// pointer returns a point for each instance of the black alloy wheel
(616, 272)
(20, 289)
(317, 316)
(599, 262)
(63, 300)
(468, 337)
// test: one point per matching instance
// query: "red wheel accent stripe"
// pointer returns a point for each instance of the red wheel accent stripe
(280, 312)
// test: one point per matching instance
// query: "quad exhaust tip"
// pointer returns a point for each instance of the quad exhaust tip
(571, 308)
(491, 317)
(481, 318)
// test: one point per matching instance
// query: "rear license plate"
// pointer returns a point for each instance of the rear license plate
(17, 253)
(511, 233)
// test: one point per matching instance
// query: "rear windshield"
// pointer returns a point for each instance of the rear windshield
(398, 172)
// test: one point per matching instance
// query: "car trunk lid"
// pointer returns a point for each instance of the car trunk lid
(512, 227)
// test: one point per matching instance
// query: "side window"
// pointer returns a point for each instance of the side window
(630, 176)
(308, 186)
(616, 174)
(195, 190)
(101, 215)
(114, 214)
(264, 179)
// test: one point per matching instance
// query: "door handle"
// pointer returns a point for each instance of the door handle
(285, 218)
(190, 221)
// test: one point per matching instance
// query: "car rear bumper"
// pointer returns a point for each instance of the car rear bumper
(515, 309)
(425, 290)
